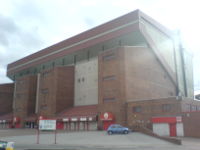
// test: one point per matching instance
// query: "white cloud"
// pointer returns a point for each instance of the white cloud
(31, 25)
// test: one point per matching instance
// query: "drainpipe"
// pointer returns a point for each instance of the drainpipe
(37, 93)
(14, 96)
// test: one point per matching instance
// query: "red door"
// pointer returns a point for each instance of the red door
(106, 124)
(172, 128)
(59, 125)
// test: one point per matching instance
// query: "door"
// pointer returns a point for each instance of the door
(172, 129)
(106, 124)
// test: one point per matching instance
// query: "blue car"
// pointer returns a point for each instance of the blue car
(116, 128)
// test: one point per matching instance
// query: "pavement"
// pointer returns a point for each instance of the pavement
(91, 140)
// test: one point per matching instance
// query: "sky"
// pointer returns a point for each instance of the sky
(27, 26)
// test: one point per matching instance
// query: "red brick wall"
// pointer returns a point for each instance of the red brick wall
(6, 98)
(145, 77)
(56, 90)
(25, 97)
(65, 84)
(152, 108)
(190, 105)
(47, 93)
(130, 73)
(111, 84)
(191, 123)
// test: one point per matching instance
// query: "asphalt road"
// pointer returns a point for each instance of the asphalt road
(93, 140)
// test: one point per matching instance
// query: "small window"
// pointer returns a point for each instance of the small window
(109, 99)
(198, 108)
(35, 71)
(109, 57)
(75, 59)
(166, 107)
(43, 107)
(83, 79)
(53, 64)
(63, 61)
(44, 91)
(137, 109)
(46, 73)
(106, 78)
(193, 108)
(186, 108)
(18, 96)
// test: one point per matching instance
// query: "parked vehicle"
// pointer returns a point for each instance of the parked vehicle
(116, 128)
(4, 145)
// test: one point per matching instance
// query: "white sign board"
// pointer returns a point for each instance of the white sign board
(47, 124)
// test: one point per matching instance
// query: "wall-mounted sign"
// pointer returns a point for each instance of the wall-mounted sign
(83, 119)
(74, 119)
(107, 116)
(65, 119)
(90, 119)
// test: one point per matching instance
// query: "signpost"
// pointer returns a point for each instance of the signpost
(46, 125)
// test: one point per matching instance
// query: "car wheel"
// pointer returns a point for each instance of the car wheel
(125, 132)
(110, 132)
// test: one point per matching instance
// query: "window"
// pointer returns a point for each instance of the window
(35, 71)
(109, 57)
(186, 108)
(53, 64)
(18, 96)
(43, 107)
(83, 79)
(137, 109)
(166, 107)
(75, 59)
(44, 74)
(193, 108)
(88, 55)
(106, 78)
(44, 91)
(63, 61)
(20, 82)
(109, 99)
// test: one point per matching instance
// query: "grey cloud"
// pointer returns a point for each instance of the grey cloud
(16, 42)
(3, 39)
(7, 24)
(7, 27)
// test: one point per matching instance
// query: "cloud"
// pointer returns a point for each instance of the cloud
(15, 42)
(7, 27)
(26, 26)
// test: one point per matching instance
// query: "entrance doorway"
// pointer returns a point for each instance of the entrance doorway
(107, 118)
(172, 129)
(106, 124)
